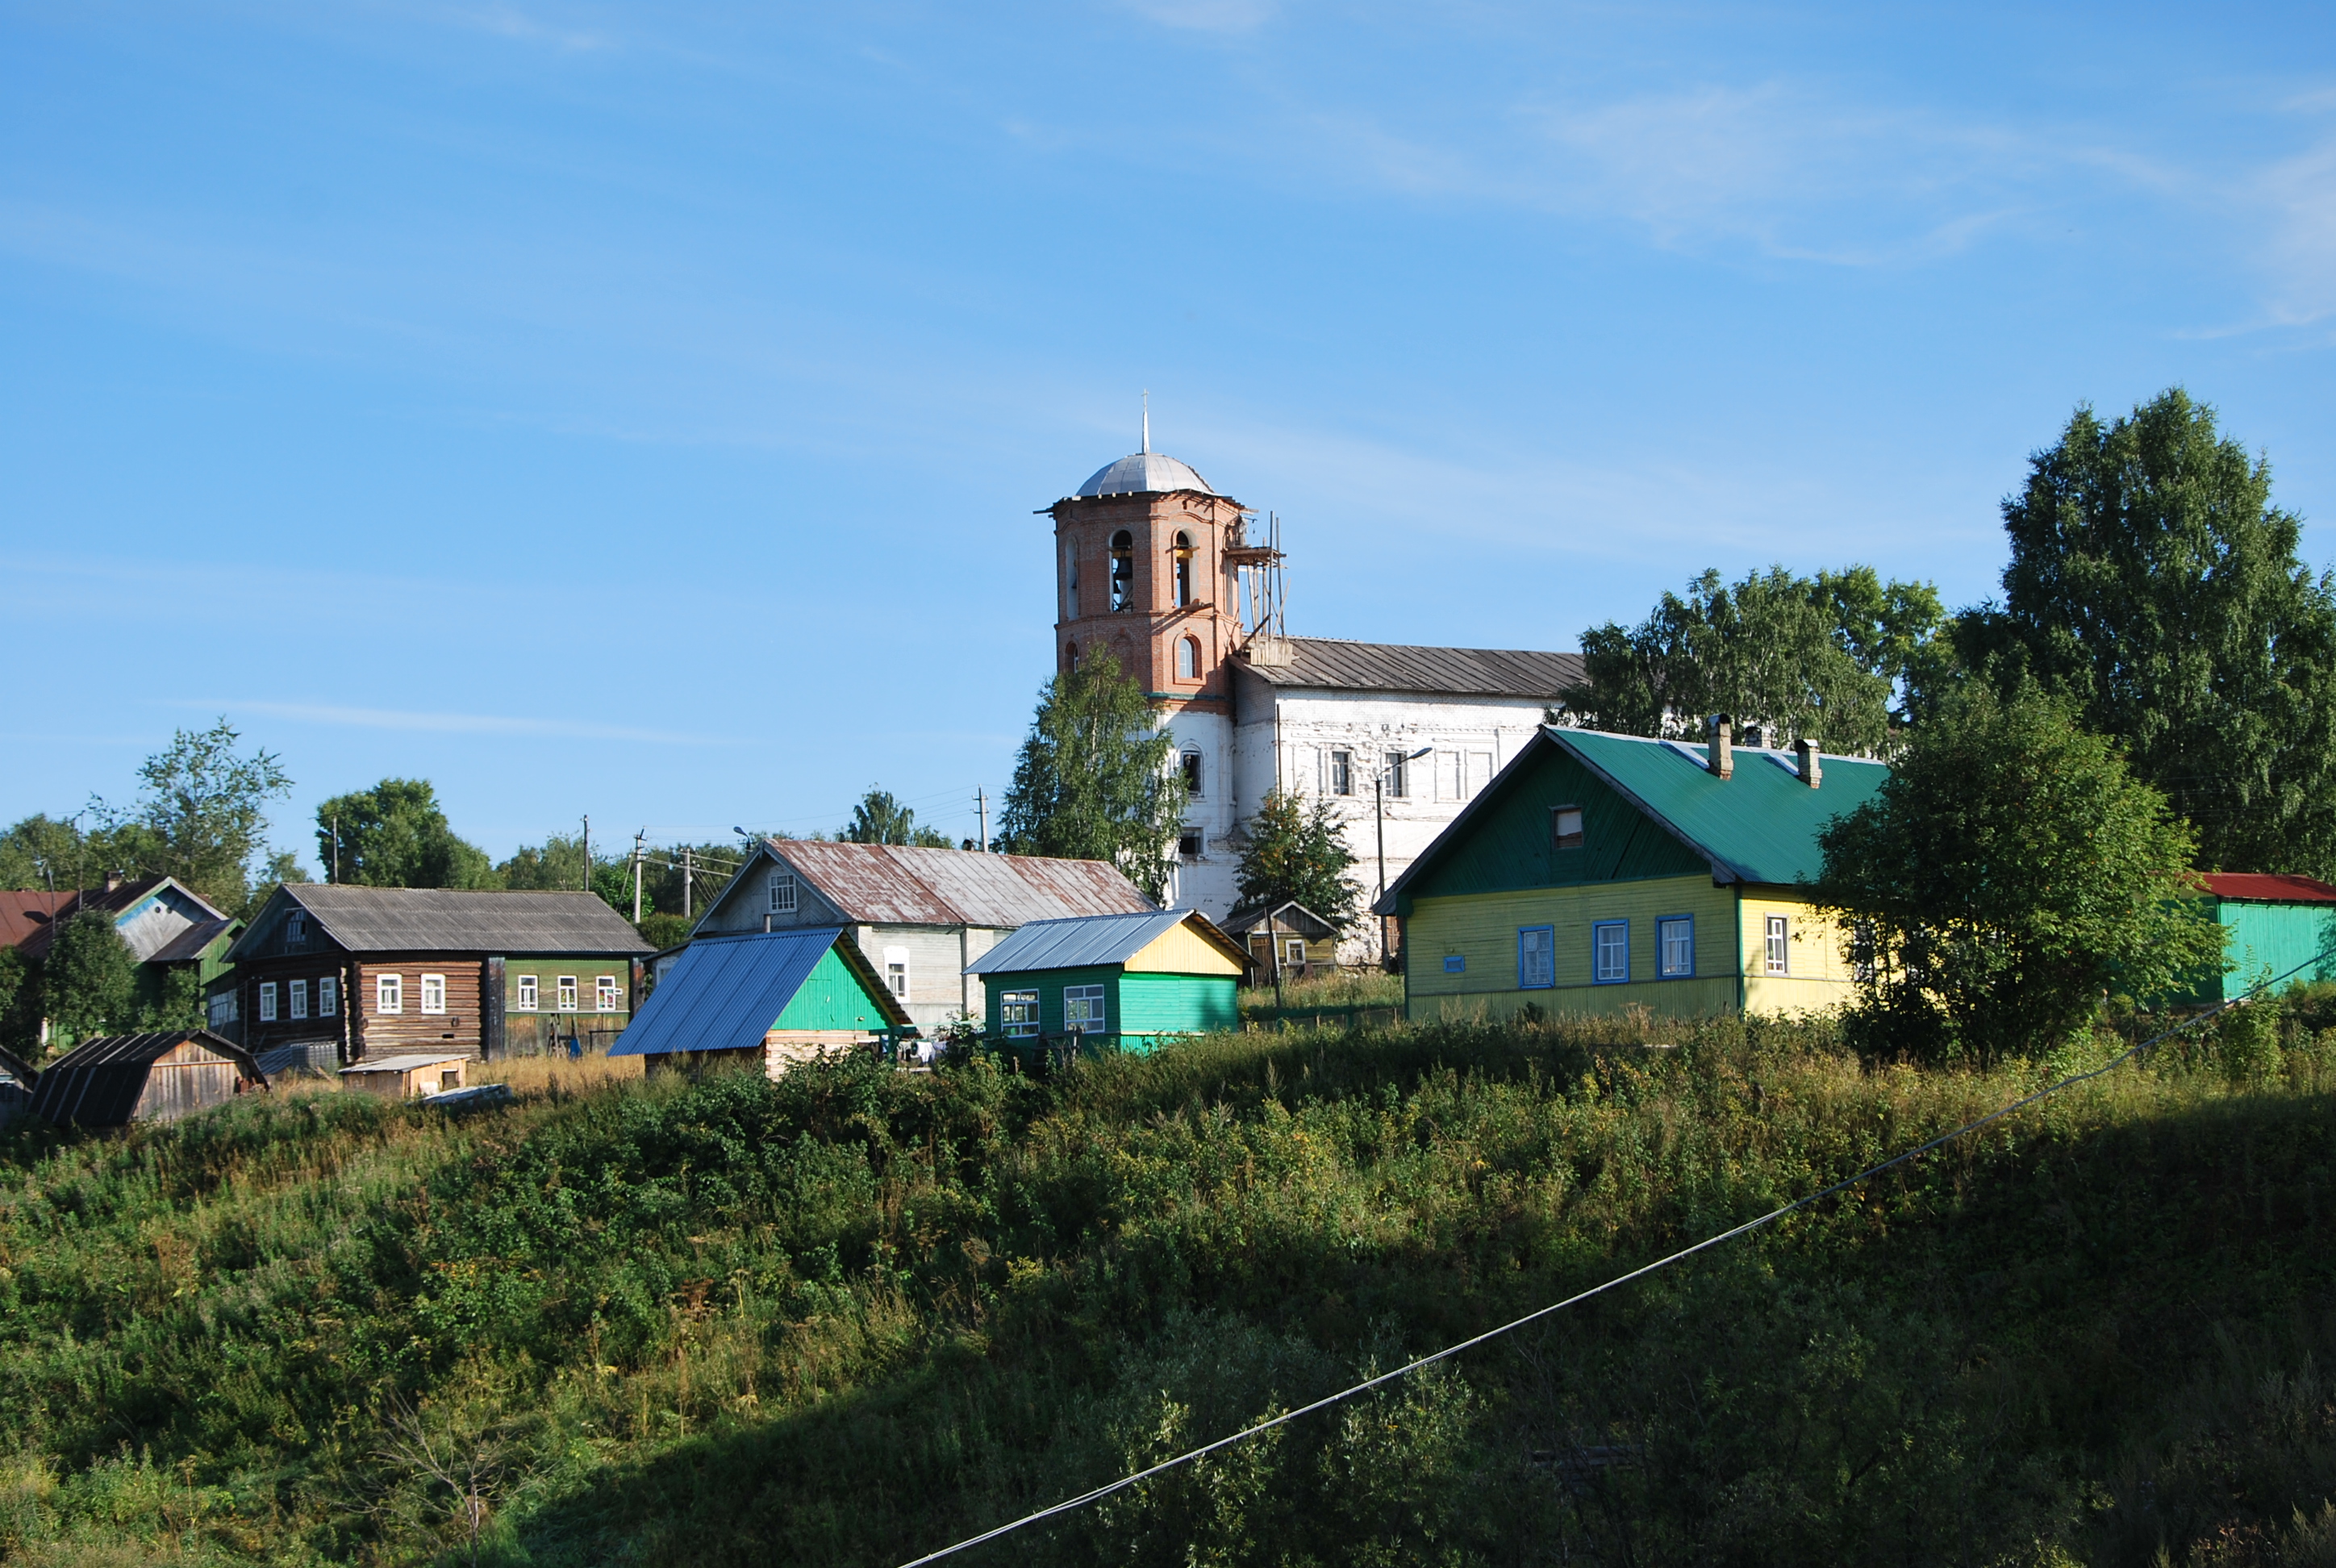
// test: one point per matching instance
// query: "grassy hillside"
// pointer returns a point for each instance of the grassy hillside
(850, 1316)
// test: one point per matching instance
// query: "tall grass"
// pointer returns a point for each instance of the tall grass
(853, 1314)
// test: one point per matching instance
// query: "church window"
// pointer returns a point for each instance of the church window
(1565, 827)
(1398, 765)
(1188, 845)
(1070, 582)
(1183, 569)
(1071, 654)
(1192, 775)
(1123, 571)
(1188, 658)
(1342, 773)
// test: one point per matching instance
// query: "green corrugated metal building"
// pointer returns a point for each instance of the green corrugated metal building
(2275, 923)
(1598, 873)
(1124, 982)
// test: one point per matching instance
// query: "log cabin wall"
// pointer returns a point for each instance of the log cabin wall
(458, 1024)
(310, 971)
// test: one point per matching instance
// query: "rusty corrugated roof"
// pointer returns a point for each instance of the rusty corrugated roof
(1329, 664)
(895, 884)
(2268, 888)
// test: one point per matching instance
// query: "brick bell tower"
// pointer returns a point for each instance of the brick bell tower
(1147, 557)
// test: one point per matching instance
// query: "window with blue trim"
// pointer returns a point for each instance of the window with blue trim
(1674, 947)
(1609, 952)
(1536, 958)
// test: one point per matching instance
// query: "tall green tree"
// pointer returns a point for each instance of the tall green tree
(1820, 656)
(1298, 852)
(1093, 780)
(2153, 581)
(878, 819)
(203, 817)
(88, 979)
(396, 835)
(2009, 874)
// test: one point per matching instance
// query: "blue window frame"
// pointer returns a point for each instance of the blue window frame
(1536, 958)
(1455, 963)
(1609, 952)
(1674, 947)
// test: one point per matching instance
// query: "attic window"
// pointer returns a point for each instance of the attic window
(783, 894)
(1565, 827)
(296, 929)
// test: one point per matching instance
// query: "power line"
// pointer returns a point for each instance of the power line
(1071, 1504)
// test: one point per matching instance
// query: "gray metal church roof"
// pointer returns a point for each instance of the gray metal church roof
(1324, 663)
(1144, 471)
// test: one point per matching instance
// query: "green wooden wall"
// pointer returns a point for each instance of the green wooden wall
(1508, 844)
(832, 997)
(1139, 1008)
(2275, 938)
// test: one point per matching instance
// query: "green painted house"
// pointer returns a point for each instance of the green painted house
(2275, 925)
(772, 998)
(1598, 873)
(1124, 982)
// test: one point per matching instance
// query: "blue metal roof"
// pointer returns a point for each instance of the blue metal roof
(1076, 944)
(724, 993)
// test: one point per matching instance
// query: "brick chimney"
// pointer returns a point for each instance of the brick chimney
(1720, 755)
(112, 881)
(1805, 757)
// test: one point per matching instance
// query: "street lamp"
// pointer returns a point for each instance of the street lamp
(1378, 810)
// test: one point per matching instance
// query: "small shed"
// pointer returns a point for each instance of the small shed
(2275, 925)
(1288, 933)
(16, 1080)
(1123, 981)
(402, 1078)
(115, 1080)
(772, 998)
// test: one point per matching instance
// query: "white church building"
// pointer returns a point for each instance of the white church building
(1160, 570)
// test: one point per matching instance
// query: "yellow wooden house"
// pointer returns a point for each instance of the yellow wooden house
(1600, 871)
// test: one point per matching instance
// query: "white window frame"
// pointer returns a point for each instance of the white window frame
(1674, 947)
(1777, 946)
(434, 993)
(389, 993)
(1398, 775)
(1293, 951)
(1609, 953)
(1092, 1016)
(268, 1001)
(328, 996)
(604, 996)
(1338, 773)
(1017, 1014)
(896, 968)
(571, 1000)
(530, 995)
(783, 892)
(295, 996)
(1536, 958)
(1188, 658)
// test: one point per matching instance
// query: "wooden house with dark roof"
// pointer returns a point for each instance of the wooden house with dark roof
(919, 916)
(115, 1080)
(355, 972)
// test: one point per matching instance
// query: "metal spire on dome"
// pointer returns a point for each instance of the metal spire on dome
(1147, 419)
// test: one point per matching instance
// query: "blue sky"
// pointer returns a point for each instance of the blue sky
(640, 410)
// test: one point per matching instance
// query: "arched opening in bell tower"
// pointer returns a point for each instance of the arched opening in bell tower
(1184, 578)
(1123, 571)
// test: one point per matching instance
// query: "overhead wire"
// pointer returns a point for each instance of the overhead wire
(1071, 1504)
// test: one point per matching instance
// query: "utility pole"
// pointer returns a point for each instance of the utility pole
(336, 846)
(687, 881)
(637, 874)
(981, 804)
(588, 852)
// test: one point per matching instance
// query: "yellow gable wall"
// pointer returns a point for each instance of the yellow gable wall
(1182, 950)
(1730, 951)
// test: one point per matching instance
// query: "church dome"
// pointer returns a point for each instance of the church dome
(1144, 471)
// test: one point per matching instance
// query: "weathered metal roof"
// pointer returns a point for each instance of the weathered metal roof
(1142, 473)
(454, 921)
(1289, 917)
(2265, 887)
(98, 1082)
(724, 993)
(1076, 944)
(894, 885)
(1331, 665)
(115, 900)
(189, 945)
(24, 912)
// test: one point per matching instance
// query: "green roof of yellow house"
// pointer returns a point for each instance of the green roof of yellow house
(1760, 826)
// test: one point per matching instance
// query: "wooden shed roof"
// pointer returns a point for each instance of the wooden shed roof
(98, 1082)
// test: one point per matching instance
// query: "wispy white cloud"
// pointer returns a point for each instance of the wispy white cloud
(2299, 195)
(448, 722)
